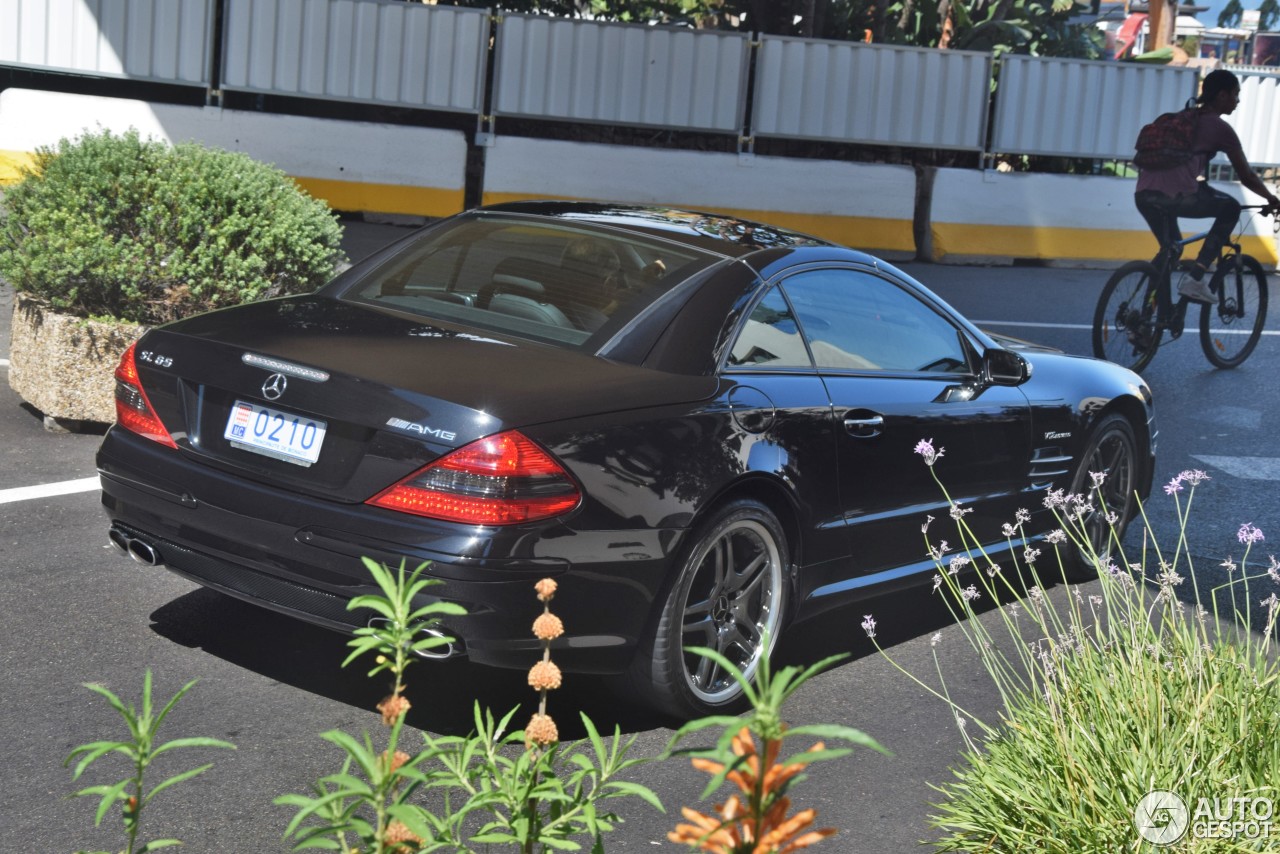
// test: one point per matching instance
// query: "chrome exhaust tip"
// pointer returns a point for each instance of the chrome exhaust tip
(449, 649)
(143, 552)
(437, 653)
(119, 539)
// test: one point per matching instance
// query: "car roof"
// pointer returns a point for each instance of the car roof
(730, 236)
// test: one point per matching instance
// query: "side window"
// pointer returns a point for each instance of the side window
(859, 321)
(770, 337)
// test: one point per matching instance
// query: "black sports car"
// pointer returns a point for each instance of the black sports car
(703, 427)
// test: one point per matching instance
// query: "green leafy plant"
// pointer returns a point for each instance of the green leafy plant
(140, 231)
(757, 820)
(141, 749)
(522, 788)
(1107, 693)
(541, 797)
(371, 810)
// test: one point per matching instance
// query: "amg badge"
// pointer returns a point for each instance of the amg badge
(1052, 435)
(424, 429)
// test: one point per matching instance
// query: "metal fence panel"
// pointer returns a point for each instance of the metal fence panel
(1079, 108)
(880, 94)
(168, 41)
(620, 73)
(1256, 120)
(381, 51)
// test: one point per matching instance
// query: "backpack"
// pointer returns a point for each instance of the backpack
(1167, 142)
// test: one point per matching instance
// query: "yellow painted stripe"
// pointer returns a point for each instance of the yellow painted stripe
(996, 241)
(384, 198)
(12, 164)
(860, 232)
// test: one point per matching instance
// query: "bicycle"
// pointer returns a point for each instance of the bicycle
(1136, 308)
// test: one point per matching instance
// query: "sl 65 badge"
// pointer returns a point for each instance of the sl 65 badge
(153, 358)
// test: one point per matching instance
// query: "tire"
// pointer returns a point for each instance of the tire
(1124, 323)
(1112, 449)
(1231, 329)
(709, 607)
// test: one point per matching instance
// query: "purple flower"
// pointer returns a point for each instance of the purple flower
(970, 593)
(925, 449)
(1173, 486)
(1249, 534)
(957, 563)
(1194, 477)
(928, 520)
(1056, 537)
(1098, 478)
(869, 625)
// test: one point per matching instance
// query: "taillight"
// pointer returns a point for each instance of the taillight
(502, 479)
(133, 410)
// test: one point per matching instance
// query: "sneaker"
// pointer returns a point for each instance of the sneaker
(1195, 290)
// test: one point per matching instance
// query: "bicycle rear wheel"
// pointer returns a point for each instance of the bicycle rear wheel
(1231, 328)
(1124, 323)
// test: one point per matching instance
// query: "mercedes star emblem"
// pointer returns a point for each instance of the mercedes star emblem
(275, 386)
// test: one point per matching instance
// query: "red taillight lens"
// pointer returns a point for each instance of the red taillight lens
(504, 479)
(133, 410)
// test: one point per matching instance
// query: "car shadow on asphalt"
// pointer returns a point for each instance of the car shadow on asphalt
(444, 693)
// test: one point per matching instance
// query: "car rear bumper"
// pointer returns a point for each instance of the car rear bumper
(301, 556)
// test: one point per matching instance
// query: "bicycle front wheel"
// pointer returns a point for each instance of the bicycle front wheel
(1124, 323)
(1232, 327)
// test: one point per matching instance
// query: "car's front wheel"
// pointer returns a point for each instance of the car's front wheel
(1112, 452)
(730, 597)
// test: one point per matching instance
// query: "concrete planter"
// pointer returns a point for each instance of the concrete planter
(63, 365)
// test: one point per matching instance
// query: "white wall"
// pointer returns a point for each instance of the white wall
(989, 216)
(351, 165)
(868, 206)
(976, 216)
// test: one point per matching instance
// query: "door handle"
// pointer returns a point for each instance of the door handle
(866, 427)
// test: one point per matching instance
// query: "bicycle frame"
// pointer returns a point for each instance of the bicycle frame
(1171, 315)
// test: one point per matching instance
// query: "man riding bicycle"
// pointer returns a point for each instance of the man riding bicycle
(1163, 195)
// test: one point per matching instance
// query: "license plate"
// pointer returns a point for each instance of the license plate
(293, 438)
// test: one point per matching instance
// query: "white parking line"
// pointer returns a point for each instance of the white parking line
(47, 490)
(1030, 325)
(1247, 468)
(981, 323)
(4, 363)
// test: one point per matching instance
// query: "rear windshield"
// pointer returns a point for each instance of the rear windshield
(543, 280)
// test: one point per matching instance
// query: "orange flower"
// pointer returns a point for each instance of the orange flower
(546, 589)
(392, 707)
(761, 826)
(396, 761)
(547, 627)
(541, 731)
(544, 676)
(401, 838)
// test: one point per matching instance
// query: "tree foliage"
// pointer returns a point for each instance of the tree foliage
(1268, 12)
(1038, 27)
(1231, 14)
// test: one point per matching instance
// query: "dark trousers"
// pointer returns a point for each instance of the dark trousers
(1161, 213)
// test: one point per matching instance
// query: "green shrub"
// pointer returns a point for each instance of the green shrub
(142, 231)
(1126, 711)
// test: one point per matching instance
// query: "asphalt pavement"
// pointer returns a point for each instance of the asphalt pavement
(74, 612)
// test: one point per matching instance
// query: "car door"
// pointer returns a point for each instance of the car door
(899, 370)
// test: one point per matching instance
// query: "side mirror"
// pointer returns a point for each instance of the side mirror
(1005, 367)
